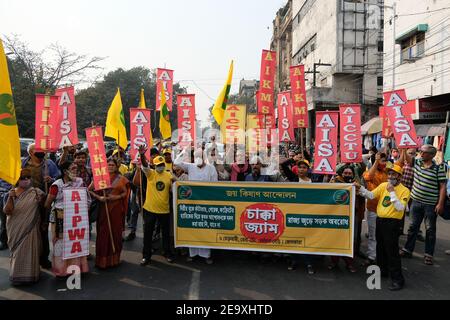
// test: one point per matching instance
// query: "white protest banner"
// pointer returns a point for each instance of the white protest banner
(76, 223)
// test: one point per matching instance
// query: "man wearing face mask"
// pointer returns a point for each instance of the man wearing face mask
(373, 178)
(392, 200)
(43, 173)
(156, 206)
(198, 171)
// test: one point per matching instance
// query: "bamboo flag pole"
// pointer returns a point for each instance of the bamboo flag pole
(109, 223)
(302, 146)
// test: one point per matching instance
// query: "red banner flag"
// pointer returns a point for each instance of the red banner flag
(299, 104)
(45, 125)
(140, 127)
(67, 132)
(186, 119)
(325, 158)
(386, 131)
(164, 78)
(401, 122)
(99, 164)
(285, 125)
(351, 138)
(266, 94)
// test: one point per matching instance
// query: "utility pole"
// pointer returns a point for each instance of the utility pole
(394, 7)
(315, 72)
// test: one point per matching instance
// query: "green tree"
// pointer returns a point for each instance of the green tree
(34, 72)
(93, 103)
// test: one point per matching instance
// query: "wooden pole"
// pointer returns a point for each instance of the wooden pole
(302, 145)
(109, 224)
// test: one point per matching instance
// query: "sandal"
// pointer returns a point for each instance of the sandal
(428, 261)
(405, 254)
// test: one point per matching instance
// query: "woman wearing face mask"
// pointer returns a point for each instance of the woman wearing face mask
(117, 202)
(23, 220)
(55, 200)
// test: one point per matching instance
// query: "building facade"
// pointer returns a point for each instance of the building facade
(282, 44)
(340, 43)
(417, 55)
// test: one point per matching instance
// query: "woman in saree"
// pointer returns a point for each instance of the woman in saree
(22, 207)
(113, 203)
(55, 201)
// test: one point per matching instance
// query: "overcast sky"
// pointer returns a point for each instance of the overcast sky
(196, 38)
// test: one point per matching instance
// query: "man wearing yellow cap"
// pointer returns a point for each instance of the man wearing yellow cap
(392, 198)
(156, 206)
(167, 153)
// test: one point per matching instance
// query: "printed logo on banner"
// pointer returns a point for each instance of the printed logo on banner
(185, 192)
(262, 223)
(341, 197)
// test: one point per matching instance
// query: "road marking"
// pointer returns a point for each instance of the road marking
(194, 288)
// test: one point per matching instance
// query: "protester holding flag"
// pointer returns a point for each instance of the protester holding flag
(55, 202)
(428, 200)
(22, 206)
(115, 203)
(157, 206)
(392, 198)
(373, 178)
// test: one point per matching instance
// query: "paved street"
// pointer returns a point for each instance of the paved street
(237, 275)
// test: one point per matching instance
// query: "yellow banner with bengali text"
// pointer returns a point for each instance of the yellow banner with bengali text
(268, 217)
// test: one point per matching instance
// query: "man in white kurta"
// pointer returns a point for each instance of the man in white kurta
(198, 171)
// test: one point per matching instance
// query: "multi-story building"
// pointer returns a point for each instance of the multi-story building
(282, 44)
(420, 35)
(340, 42)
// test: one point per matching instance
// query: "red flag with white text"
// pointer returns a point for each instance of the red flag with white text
(351, 138)
(325, 157)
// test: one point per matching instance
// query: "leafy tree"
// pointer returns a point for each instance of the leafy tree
(93, 103)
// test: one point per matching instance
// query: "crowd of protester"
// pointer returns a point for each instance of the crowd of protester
(390, 184)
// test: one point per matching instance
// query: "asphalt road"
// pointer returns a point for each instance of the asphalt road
(235, 276)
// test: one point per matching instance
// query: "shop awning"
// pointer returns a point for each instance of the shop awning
(430, 130)
(372, 126)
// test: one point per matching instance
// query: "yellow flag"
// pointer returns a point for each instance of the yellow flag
(10, 164)
(142, 101)
(164, 117)
(115, 123)
(220, 106)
